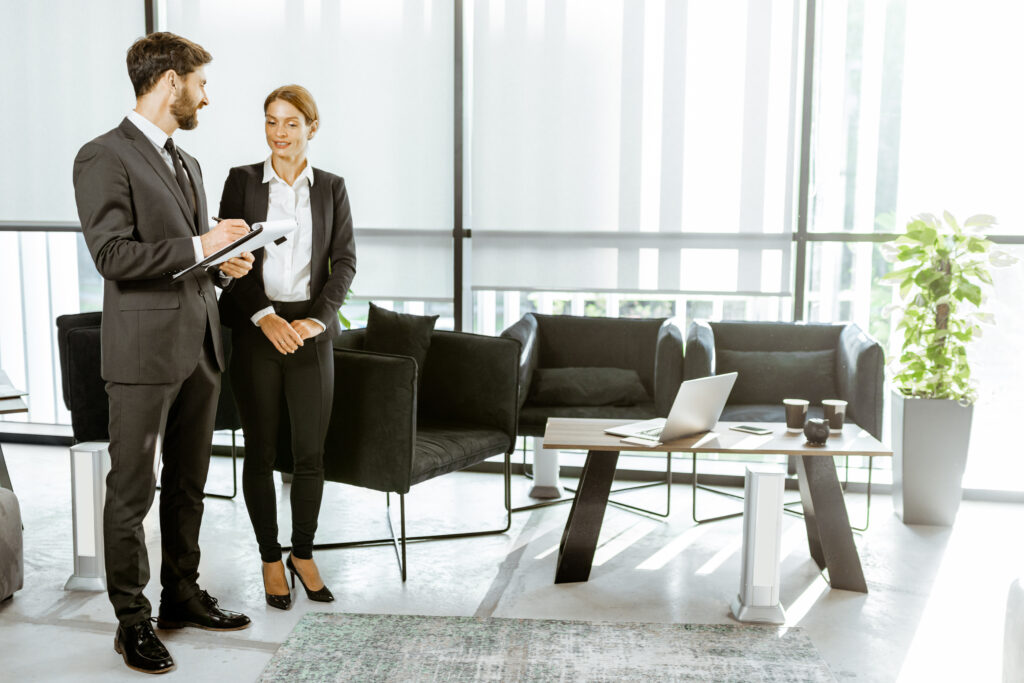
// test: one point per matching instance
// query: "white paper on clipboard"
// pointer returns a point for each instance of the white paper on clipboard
(261, 235)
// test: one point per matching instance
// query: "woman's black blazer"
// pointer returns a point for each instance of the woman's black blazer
(333, 266)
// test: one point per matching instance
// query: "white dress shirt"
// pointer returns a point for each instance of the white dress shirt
(287, 266)
(159, 138)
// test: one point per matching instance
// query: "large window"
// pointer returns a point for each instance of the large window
(61, 88)
(619, 158)
(634, 150)
(913, 114)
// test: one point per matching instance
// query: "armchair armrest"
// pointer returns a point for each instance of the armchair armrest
(859, 376)
(472, 379)
(700, 350)
(350, 339)
(668, 367)
(372, 433)
(525, 332)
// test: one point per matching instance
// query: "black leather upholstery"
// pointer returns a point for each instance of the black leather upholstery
(651, 347)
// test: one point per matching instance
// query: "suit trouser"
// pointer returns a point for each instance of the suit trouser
(262, 378)
(146, 421)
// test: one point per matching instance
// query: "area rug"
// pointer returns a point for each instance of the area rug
(394, 648)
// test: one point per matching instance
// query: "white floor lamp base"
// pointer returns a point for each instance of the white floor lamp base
(545, 472)
(90, 463)
(758, 599)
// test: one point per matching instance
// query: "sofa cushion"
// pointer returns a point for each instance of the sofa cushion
(587, 387)
(767, 377)
(401, 334)
(443, 447)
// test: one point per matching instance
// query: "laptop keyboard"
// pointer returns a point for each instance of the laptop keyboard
(654, 432)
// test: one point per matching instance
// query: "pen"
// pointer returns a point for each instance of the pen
(215, 219)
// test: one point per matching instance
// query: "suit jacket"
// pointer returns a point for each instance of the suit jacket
(139, 229)
(333, 256)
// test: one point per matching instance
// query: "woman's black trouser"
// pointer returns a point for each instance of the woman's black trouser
(263, 378)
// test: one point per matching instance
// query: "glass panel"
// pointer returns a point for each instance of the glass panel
(994, 461)
(902, 128)
(605, 115)
(381, 73)
(63, 86)
(495, 311)
(844, 286)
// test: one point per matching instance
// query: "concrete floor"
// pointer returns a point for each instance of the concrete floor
(935, 610)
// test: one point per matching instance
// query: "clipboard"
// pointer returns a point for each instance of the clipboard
(261, 235)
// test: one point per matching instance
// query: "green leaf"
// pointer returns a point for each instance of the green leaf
(971, 292)
(978, 245)
(979, 220)
(926, 277)
(950, 221)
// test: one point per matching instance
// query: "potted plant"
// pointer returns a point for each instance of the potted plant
(941, 272)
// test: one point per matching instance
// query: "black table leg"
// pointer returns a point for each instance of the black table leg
(579, 540)
(5, 477)
(828, 525)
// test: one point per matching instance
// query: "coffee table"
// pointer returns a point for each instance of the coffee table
(7, 407)
(829, 535)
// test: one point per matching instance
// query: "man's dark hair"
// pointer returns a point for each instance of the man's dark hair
(151, 56)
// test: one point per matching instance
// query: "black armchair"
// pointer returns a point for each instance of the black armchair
(85, 395)
(389, 432)
(653, 348)
(778, 360)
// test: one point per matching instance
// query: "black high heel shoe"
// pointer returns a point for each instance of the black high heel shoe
(321, 595)
(279, 601)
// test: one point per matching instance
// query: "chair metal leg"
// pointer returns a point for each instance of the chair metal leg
(400, 542)
(785, 508)
(698, 486)
(234, 474)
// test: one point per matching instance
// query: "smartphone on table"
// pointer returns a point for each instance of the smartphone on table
(751, 429)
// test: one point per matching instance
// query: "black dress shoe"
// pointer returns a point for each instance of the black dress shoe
(142, 650)
(200, 611)
(320, 595)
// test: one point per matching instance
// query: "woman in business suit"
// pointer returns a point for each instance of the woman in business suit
(283, 317)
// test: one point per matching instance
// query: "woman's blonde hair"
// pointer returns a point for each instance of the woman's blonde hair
(298, 97)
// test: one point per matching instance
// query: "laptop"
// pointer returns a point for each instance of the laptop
(697, 407)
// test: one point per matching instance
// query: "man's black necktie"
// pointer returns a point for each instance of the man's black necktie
(183, 182)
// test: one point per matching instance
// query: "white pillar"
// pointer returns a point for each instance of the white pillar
(758, 599)
(545, 472)
(90, 463)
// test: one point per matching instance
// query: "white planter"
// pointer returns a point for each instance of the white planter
(930, 440)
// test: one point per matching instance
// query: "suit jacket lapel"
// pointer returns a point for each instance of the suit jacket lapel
(257, 199)
(320, 208)
(153, 158)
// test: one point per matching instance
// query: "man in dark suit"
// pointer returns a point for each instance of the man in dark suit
(143, 212)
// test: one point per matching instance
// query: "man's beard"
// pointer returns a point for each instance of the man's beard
(184, 111)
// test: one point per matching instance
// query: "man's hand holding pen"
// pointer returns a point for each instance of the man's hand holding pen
(220, 236)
